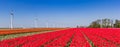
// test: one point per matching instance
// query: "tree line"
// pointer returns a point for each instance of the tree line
(105, 23)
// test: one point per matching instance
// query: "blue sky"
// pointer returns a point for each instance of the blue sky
(67, 13)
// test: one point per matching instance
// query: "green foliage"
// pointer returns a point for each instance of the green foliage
(95, 25)
(117, 24)
(104, 23)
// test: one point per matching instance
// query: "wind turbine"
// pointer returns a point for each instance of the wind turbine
(11, 19)
(36, 22)
(46, 25)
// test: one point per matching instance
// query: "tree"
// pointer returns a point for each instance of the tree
(117, 24)
(104, 23)
(95, 24)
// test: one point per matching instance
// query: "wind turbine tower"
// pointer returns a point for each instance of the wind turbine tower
(11, 19)
(36, 22)
(46, 25)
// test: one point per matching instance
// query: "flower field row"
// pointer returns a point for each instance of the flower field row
(13, 31)
(74, 37)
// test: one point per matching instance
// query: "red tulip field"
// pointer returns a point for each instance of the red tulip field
(74, 37)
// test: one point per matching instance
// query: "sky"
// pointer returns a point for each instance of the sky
(57, 13)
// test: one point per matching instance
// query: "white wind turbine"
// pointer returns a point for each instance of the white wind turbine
(36, 22)
(46, 25)
(11, 19)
